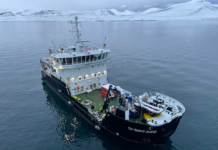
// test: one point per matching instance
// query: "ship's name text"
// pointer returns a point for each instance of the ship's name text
(142, 131)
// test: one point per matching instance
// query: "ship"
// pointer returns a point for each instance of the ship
(78, 75)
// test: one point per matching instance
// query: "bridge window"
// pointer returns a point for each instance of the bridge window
(63, 61)
(79, 59)
(103, 55)
(69, 61)
(74, 60)
(92, 58)
(87, 58)
(83, 59)
(95, 58)
(56, 60)
(99, 57)
(106, 55)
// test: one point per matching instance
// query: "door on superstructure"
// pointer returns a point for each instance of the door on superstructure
(91, 87)
(82, 88)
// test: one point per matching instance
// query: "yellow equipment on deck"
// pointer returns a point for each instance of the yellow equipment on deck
(147, 116)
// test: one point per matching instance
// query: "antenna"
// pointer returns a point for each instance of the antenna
(104, 44)
(53, 42)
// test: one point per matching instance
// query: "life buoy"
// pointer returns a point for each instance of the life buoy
(87, 102)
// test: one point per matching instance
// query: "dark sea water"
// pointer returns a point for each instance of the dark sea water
(177, 58)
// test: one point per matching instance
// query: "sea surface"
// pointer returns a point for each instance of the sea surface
(179, 58)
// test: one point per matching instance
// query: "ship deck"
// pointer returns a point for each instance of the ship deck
(97, 99)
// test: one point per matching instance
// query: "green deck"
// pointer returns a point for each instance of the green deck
(97, 99)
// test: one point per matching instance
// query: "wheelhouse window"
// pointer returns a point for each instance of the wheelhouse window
(79, 59)
(56, 60)
(69, 61)
(99, 57)
(103, 55)
(106, 55)
(95, 58)
(74, 60)
(63, 61)
(92, 58)
(83, 59)
(87, 58)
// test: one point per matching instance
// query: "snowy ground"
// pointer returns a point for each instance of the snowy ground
(192, 10)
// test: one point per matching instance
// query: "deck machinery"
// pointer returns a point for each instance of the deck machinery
(78, 74)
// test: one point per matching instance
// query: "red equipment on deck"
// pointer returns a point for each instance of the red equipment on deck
(104, 90)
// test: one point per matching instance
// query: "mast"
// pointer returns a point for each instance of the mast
(78, 33)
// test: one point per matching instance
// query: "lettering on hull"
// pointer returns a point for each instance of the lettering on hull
(149, 131)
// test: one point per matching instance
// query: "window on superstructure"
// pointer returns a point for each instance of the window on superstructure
(83, 59)
(99, 57)
(74, 60)
(87, 58)
(103, 55)
(63, 61)
(56, 60)
(92, 58)
(79, 59)
(69, 61)
(95, 58)
(106, 55)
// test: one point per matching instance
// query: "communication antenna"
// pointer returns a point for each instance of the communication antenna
(53, 42)
(104, 44)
